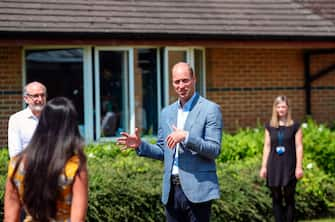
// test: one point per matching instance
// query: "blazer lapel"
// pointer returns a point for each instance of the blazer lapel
(172, 121)
(193, 114)
(172, 118)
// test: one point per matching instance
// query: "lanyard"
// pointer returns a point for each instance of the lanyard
(280, 136)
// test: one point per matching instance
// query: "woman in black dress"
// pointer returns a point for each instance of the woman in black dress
(282, 159)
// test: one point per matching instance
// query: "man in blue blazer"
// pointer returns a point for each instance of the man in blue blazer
(189, 140)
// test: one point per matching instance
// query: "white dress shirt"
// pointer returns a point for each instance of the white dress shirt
(21, 127)
(181, 119)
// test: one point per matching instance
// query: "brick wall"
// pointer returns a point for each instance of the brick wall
(323, 89)
(246, 81)
(10, 87)
(243, 81)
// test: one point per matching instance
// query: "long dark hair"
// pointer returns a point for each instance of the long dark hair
(55, 141)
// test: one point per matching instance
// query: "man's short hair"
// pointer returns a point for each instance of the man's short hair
(31, 83)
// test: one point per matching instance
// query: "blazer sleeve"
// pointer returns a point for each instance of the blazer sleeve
(208, 145)
(154, 151)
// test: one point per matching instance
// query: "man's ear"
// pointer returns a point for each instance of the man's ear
(25, 98)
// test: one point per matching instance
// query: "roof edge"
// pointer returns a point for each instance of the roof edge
(8, 35)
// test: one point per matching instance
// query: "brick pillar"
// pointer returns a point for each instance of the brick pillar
(10, 87)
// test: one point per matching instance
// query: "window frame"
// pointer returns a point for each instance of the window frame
(131, 85)
(130, 95)
(87, 82)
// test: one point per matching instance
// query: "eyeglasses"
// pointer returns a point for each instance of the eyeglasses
(35, 96)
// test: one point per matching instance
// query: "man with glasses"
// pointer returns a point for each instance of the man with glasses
(22, 124)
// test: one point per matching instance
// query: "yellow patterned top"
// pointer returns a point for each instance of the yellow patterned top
(65, 183)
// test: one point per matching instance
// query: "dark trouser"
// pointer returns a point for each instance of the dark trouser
(180, 209)
(287, 193)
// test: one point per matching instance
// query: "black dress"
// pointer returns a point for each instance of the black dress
(281, 167)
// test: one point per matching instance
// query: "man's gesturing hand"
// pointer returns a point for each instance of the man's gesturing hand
(175, 137)
(128, 141)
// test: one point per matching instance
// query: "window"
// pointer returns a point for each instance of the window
(65, 72)
(146, 97)
(199, 70)
(126, 91)
(61, 71)
(112, 102)
(131, 85)
(113, 92)
(130, 88)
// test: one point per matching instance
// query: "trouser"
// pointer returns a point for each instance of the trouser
(284, 213)
(180, 209)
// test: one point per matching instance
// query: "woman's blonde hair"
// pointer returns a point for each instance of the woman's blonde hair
(274, 122)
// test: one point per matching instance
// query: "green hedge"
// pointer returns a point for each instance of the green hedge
(319, 145)
(128, 188)
(124, 187)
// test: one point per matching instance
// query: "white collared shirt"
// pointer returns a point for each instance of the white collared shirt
(21, 127)
(181, 119)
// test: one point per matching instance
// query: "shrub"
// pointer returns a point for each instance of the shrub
(319, 145)
(124, 187)
(244, 196)
(318, 140)
(3, 176)
(130, 190)
(315, 193)
(245, 143)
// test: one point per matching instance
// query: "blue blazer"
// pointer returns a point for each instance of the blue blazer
(197, 169)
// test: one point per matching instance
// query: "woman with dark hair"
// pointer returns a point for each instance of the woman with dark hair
(49, 178)
(282, 159)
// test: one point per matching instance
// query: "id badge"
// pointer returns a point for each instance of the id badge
(280, 150)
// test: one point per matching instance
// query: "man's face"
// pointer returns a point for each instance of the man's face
(35, 97)
(183, 82)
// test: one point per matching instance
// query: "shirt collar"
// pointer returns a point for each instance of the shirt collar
(188, 105)
(29, 114)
